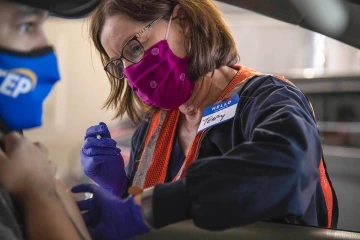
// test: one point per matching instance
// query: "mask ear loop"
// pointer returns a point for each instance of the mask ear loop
(168, 29)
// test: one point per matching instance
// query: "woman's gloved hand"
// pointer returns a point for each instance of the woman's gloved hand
(102, 161)
(110, 217)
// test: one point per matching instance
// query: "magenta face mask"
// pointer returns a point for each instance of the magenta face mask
(160, 78)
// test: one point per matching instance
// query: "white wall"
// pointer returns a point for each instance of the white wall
(76, 101)
(272, 46)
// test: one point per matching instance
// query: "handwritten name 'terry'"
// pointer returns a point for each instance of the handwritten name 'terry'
(213, 118)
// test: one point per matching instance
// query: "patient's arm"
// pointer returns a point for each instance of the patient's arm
(72, 209)
(26, 174)
(46, 218)
(56, 217)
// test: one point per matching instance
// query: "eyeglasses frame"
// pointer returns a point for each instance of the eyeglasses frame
(137, 35)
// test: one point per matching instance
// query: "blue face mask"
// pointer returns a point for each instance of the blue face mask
(26, 79)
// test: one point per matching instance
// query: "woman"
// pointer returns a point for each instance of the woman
(223, 144)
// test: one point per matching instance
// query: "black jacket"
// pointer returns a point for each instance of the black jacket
(262, 165)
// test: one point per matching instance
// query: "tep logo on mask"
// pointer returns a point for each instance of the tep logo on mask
(26, 79)
(17, 81)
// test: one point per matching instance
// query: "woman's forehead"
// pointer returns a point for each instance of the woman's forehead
(119, 28)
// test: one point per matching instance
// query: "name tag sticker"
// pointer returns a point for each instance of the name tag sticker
(219, 113)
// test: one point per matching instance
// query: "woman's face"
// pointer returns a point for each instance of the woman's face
(118, 29)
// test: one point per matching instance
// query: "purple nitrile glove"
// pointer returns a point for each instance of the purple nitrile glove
(102, 161)
(110, 217)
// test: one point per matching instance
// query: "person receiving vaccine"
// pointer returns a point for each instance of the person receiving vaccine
(33, 204)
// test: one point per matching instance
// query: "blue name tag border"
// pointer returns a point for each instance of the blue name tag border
(218, 107)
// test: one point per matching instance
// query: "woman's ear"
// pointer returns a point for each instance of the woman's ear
(176, 11)
(180, 14)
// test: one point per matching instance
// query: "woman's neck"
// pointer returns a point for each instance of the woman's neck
(206, 92)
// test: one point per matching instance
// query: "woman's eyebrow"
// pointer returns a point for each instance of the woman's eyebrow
(128, 39)
(134, 34)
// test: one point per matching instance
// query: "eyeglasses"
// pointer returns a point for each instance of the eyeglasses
(133, 51)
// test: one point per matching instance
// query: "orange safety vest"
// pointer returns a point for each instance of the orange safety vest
(159, 140)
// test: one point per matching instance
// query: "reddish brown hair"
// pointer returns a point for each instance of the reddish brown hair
(212, 45)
